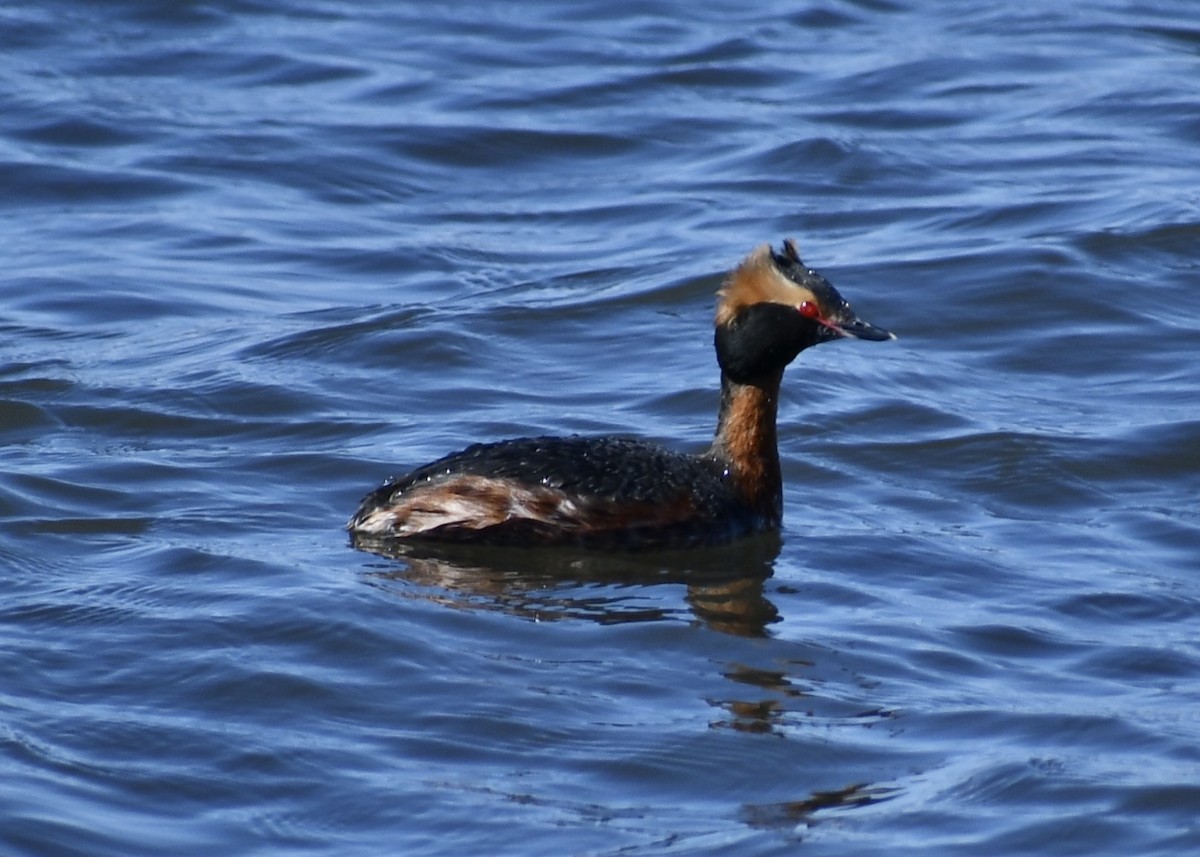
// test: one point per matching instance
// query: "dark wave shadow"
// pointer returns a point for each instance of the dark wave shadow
(724, 586)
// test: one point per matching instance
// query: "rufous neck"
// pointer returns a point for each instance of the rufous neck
(746, 441)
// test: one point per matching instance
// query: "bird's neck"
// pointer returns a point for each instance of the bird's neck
(747, 445)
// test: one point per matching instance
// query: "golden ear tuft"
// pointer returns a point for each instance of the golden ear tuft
(757, 279)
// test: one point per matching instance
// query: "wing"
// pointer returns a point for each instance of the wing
(547, 490)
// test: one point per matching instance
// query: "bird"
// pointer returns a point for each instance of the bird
(627, 493)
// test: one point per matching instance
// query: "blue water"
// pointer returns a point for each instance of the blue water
(258, 257)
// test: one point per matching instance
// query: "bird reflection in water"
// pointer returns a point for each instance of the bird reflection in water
(724, 592)
(724, 586)
(801, 813)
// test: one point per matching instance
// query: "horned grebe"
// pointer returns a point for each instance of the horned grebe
(618, 492)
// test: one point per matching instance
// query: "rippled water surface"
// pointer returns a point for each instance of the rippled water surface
(258, 257)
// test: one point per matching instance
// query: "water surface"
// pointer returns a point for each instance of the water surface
(261, 256)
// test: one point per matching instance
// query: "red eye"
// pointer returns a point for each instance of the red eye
(808, 309)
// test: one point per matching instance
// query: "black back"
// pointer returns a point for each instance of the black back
(616, 468)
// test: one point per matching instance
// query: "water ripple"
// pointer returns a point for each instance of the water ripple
(263, 256)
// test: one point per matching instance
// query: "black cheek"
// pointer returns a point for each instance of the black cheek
(761, 340)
